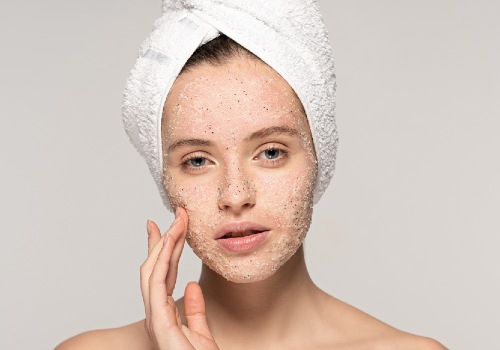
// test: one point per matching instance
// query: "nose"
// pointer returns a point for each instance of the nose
(236, 192)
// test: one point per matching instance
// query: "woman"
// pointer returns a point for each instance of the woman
(241, 162)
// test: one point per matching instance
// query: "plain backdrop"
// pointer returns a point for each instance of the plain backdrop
(408, 231)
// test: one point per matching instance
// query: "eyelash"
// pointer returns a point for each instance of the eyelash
(273, 162)
(189, 168)
(268, 162)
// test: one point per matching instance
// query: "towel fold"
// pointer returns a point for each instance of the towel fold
(288, 35)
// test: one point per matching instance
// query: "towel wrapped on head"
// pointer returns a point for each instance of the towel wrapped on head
(288, 35)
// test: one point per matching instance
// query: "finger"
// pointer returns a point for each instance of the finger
(183, 213)
(155, 242)
(162, 313)
(157, 246)
(178, 316)
(148, 265)
(194, 306)
(154, 234)
(167, 336)
(179, 234)
(164, 322)
(180, 215)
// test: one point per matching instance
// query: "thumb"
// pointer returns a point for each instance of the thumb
(194, 307)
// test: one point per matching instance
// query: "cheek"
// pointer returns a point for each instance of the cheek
(283, 201)
(200, 201)
(287, 200)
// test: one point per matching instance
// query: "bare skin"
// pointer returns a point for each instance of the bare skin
(280, 310)
(331, 324)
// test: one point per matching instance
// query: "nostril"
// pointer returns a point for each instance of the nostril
(236, 191)
(236, 201)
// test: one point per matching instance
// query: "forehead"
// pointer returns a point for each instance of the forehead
(231, 98)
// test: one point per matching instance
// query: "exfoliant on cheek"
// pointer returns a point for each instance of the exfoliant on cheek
(285, 205)
(224, 108)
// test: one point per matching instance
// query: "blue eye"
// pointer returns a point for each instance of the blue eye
(272, 153)
(197, 162)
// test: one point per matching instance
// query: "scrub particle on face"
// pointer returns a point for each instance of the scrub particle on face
(236, 183)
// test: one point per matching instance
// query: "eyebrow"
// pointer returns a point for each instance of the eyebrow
(264, 132)
(189, 142)
(259, 134)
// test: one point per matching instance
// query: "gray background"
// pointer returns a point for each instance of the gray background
(408, 231)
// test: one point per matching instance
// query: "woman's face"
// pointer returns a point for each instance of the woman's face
(239, 158)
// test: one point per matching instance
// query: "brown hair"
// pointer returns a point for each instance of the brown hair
(217, 52)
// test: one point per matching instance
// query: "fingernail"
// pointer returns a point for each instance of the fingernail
(177, 218)
(148, 227)
(175, 222)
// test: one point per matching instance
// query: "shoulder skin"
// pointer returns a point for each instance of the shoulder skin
(131, 337)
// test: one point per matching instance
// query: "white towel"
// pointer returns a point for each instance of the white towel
(288, 35)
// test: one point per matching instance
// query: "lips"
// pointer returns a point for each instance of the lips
(240, 229)
(240, 234)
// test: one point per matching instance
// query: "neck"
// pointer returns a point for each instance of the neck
(259, 305)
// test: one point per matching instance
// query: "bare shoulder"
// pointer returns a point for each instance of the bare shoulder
(130, 337)
(356, 329)
(405, 341)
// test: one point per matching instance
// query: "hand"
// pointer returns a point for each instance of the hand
(158, 277)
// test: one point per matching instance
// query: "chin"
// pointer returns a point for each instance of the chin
(252, 267)
(245, 277)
